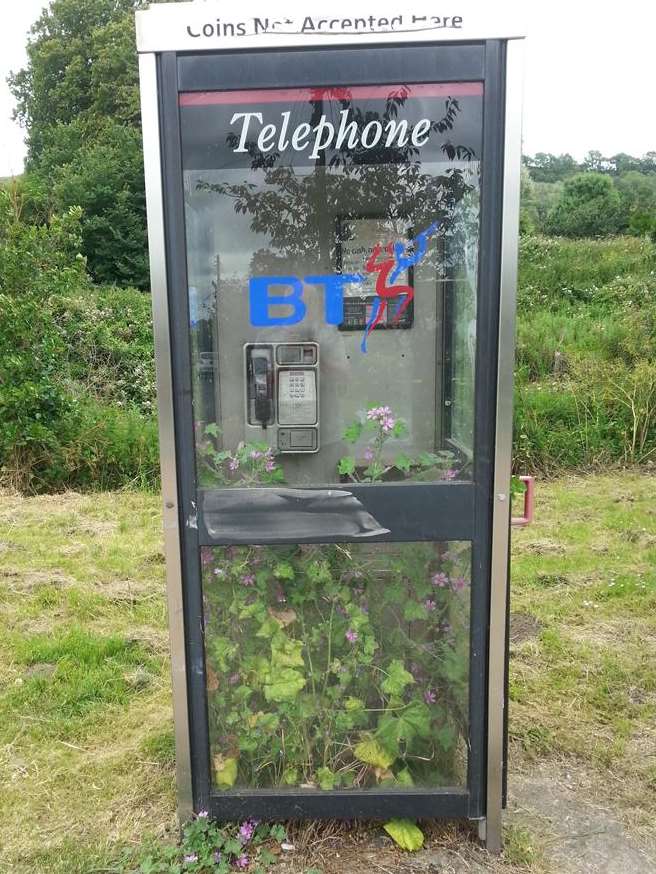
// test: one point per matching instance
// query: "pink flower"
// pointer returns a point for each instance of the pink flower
(269, 465)
(459, 584)
(203, 814)
(440, 580)
(246, 831)
(255, 454)
(242, 861)
(247, 580)
(368, 454)
(430, 696)
(450, 474)
(429, 604)
(233, 679)
(351, 635)
(233, 464)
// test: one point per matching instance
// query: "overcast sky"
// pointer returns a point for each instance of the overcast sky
(590, 77)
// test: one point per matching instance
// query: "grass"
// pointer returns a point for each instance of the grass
(86, 749)
(584, 687)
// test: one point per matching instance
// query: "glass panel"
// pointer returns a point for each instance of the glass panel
(341, 666)
(332, 247)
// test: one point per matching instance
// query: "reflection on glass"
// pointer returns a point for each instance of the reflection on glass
(328, 282)
(340, 666)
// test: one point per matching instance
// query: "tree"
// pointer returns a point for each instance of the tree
(545, 167)
(81, 63)
(79, 100)
(590, 206)
(105, 178)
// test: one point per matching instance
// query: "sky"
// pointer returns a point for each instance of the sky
(590, 77)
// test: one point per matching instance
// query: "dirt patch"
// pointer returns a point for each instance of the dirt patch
(578, 836)
(28, 581)
(523, 626)
(542, 546)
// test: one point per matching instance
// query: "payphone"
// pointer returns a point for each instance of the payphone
(282, 394)
(332, 210)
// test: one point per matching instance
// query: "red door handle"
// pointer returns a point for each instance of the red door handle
(529, 494)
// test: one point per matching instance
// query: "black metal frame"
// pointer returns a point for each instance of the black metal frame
(465, 509)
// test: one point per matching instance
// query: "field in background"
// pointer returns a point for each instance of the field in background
(86, 758)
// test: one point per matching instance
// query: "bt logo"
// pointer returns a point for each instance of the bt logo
(267, 291)
(387, 263)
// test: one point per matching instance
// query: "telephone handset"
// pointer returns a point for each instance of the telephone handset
(282, 394)
(260, 386)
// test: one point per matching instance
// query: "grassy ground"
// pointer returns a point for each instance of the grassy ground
(85, 737)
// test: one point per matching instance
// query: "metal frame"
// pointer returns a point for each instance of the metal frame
(497, 704)
(489, 513)
(150, 121)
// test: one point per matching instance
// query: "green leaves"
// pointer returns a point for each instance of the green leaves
(327, 780)
(405, 834)
(284, 685)
(405, 725)
(397, 678)
(403, 462)
(372, 753)
(283, 570)
(353, 432)
(225, 772)
(346, 465)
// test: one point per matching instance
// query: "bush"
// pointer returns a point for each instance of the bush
(556, 271)
(108, 337)
(590, 206)
(53, 434)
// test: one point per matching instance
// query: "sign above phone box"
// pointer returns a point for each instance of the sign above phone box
(212, 26)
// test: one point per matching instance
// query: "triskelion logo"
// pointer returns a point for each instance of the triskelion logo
(388, 261)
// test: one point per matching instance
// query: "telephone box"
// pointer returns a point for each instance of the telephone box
(333, 217)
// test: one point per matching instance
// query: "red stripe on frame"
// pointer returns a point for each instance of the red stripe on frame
(304, 95)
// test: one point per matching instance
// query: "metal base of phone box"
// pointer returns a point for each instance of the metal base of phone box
(478, 511)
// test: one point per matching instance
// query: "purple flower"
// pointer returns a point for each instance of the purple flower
(190, 858)
(430, 696)
(459, 584)
(247, 580)
(269, 465)
(368, 454)
(203, 814)
(217, 857)
(242, 861)
(233, 464)
(440, 580)
(388, 423)
(450, 474)
(246, 831)
(429, 604)
(233, 679)
(255, 454)
(351, 635)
